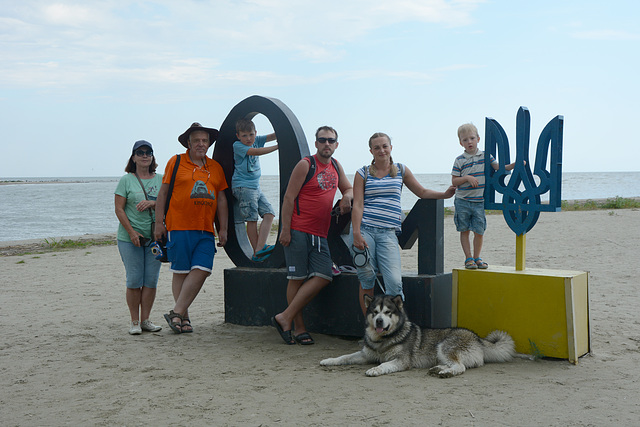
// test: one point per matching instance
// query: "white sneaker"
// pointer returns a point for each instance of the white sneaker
(135, 328)
(147, 325)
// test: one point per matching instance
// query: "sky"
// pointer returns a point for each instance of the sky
(81, 81)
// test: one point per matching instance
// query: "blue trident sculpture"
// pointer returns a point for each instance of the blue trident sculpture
(521, 202)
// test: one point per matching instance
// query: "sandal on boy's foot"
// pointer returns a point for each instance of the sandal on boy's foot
(261, 258)
(481, 264)
(470, 264)
(186, 323)
(175, 326)
(266, 250)
(285, 335)
(304, 339)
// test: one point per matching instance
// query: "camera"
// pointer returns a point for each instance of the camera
(156, 250)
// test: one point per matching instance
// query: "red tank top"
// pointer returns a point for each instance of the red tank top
(312, 212)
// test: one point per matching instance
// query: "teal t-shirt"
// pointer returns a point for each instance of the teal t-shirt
(130, 189)
(246, 171)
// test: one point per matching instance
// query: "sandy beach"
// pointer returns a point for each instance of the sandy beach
(67, 359)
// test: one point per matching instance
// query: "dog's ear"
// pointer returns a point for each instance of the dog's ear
(367, 300)
(397, 300)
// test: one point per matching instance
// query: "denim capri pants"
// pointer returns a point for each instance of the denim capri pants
(384, 256)
(141, 266)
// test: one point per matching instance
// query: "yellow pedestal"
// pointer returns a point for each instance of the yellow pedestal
(545, 311)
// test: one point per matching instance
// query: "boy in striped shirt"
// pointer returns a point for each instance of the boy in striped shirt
(468, 177)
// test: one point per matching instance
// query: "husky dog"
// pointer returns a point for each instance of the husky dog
(397, 344)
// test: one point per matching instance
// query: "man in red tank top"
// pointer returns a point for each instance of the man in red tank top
(306, 215)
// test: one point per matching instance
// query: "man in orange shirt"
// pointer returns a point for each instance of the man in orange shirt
(197, 196)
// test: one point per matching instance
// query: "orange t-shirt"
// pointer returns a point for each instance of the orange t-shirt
(194, 199)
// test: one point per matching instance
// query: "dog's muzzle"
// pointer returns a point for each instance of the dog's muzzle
(380, 325)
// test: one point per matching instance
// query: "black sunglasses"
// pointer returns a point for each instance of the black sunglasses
(322, 140)
(143, 153)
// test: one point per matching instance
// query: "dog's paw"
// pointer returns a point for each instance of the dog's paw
(441, 372)
(328, 362)
(375, 372)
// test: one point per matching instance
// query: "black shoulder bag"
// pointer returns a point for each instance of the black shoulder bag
(163, 242)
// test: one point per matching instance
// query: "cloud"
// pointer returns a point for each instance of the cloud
(68, 43)
(69, 15)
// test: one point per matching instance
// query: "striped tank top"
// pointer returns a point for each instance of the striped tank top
(382, 206)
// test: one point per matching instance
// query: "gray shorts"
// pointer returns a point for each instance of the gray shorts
(307, 255)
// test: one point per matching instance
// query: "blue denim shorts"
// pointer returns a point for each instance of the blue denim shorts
(190, 249)
(141, 266)
(250, 204)
(384, 257)
(307, 255)
(469, 216)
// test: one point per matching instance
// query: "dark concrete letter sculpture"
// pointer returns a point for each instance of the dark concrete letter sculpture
(292, 147)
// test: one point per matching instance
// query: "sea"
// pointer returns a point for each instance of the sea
(55, 207)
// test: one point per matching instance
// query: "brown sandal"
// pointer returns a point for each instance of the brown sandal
(186, 323)
(175, 326)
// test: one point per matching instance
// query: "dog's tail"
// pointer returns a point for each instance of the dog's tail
(498, 347)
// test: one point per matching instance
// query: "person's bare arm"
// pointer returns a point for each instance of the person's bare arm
(293, 189)
(222, 212)
(425, 193)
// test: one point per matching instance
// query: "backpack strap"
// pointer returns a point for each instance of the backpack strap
(312, 169)
(310, 173)
(173, 180)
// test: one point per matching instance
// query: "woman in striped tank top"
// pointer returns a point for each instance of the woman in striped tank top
(377, 215)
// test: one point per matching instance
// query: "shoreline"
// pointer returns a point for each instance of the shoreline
(22, 247)
(18, 247)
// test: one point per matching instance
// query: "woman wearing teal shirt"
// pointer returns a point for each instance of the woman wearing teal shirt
(135, 202)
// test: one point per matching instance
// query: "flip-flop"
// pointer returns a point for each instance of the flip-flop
(304, 339)
(347, 269)
(285, 335)
(257, 258)
(266, 250)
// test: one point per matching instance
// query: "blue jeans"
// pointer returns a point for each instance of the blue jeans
(384, 257)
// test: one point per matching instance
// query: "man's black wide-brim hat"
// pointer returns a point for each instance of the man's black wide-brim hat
(184, 138)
